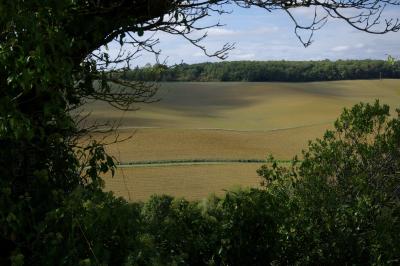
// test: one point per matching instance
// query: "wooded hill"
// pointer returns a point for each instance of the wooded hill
(291, 71)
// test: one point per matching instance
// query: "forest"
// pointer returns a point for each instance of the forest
(290, 71)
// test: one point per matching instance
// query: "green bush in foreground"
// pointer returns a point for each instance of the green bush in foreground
(343, 199)
(339, 206)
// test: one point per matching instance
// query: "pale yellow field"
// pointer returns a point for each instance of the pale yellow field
(225, 121)
(191, 182)
(249, 106)
(173, 144)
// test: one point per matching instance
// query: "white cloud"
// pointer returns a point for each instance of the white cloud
(340, 48)
(248, 56)
(220, 32)
(243, 33)
(305, 12)
(263, 30)
(259, 35)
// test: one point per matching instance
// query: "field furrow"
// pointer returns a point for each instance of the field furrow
(191, 142)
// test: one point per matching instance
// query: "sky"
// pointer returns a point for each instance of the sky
(261, 35)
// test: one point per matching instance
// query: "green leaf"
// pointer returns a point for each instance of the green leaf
(17, 260)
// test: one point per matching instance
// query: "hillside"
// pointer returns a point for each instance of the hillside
(217, 121)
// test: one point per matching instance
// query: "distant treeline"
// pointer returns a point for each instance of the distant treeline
(291, 71)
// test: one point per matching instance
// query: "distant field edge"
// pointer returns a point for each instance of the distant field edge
(272, 81)
(191, 162)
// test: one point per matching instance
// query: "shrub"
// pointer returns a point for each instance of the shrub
(343, 199)
(338, 206)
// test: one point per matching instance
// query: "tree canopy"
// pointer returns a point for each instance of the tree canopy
(289, 71)
(50, 64)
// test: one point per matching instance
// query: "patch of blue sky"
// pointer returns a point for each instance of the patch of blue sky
(262, 35)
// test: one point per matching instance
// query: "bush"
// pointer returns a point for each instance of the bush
(338, 206)
(91, 228)
(343, 199)
(180, 232)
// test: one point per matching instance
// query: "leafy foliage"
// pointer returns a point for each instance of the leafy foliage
(344, 200)
(90, 228)
(268, 71)
(339, 205)
(52, 209)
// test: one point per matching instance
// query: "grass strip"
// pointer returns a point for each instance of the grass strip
(193, 161)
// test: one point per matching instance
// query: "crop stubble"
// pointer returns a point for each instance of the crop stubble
(225, 121)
